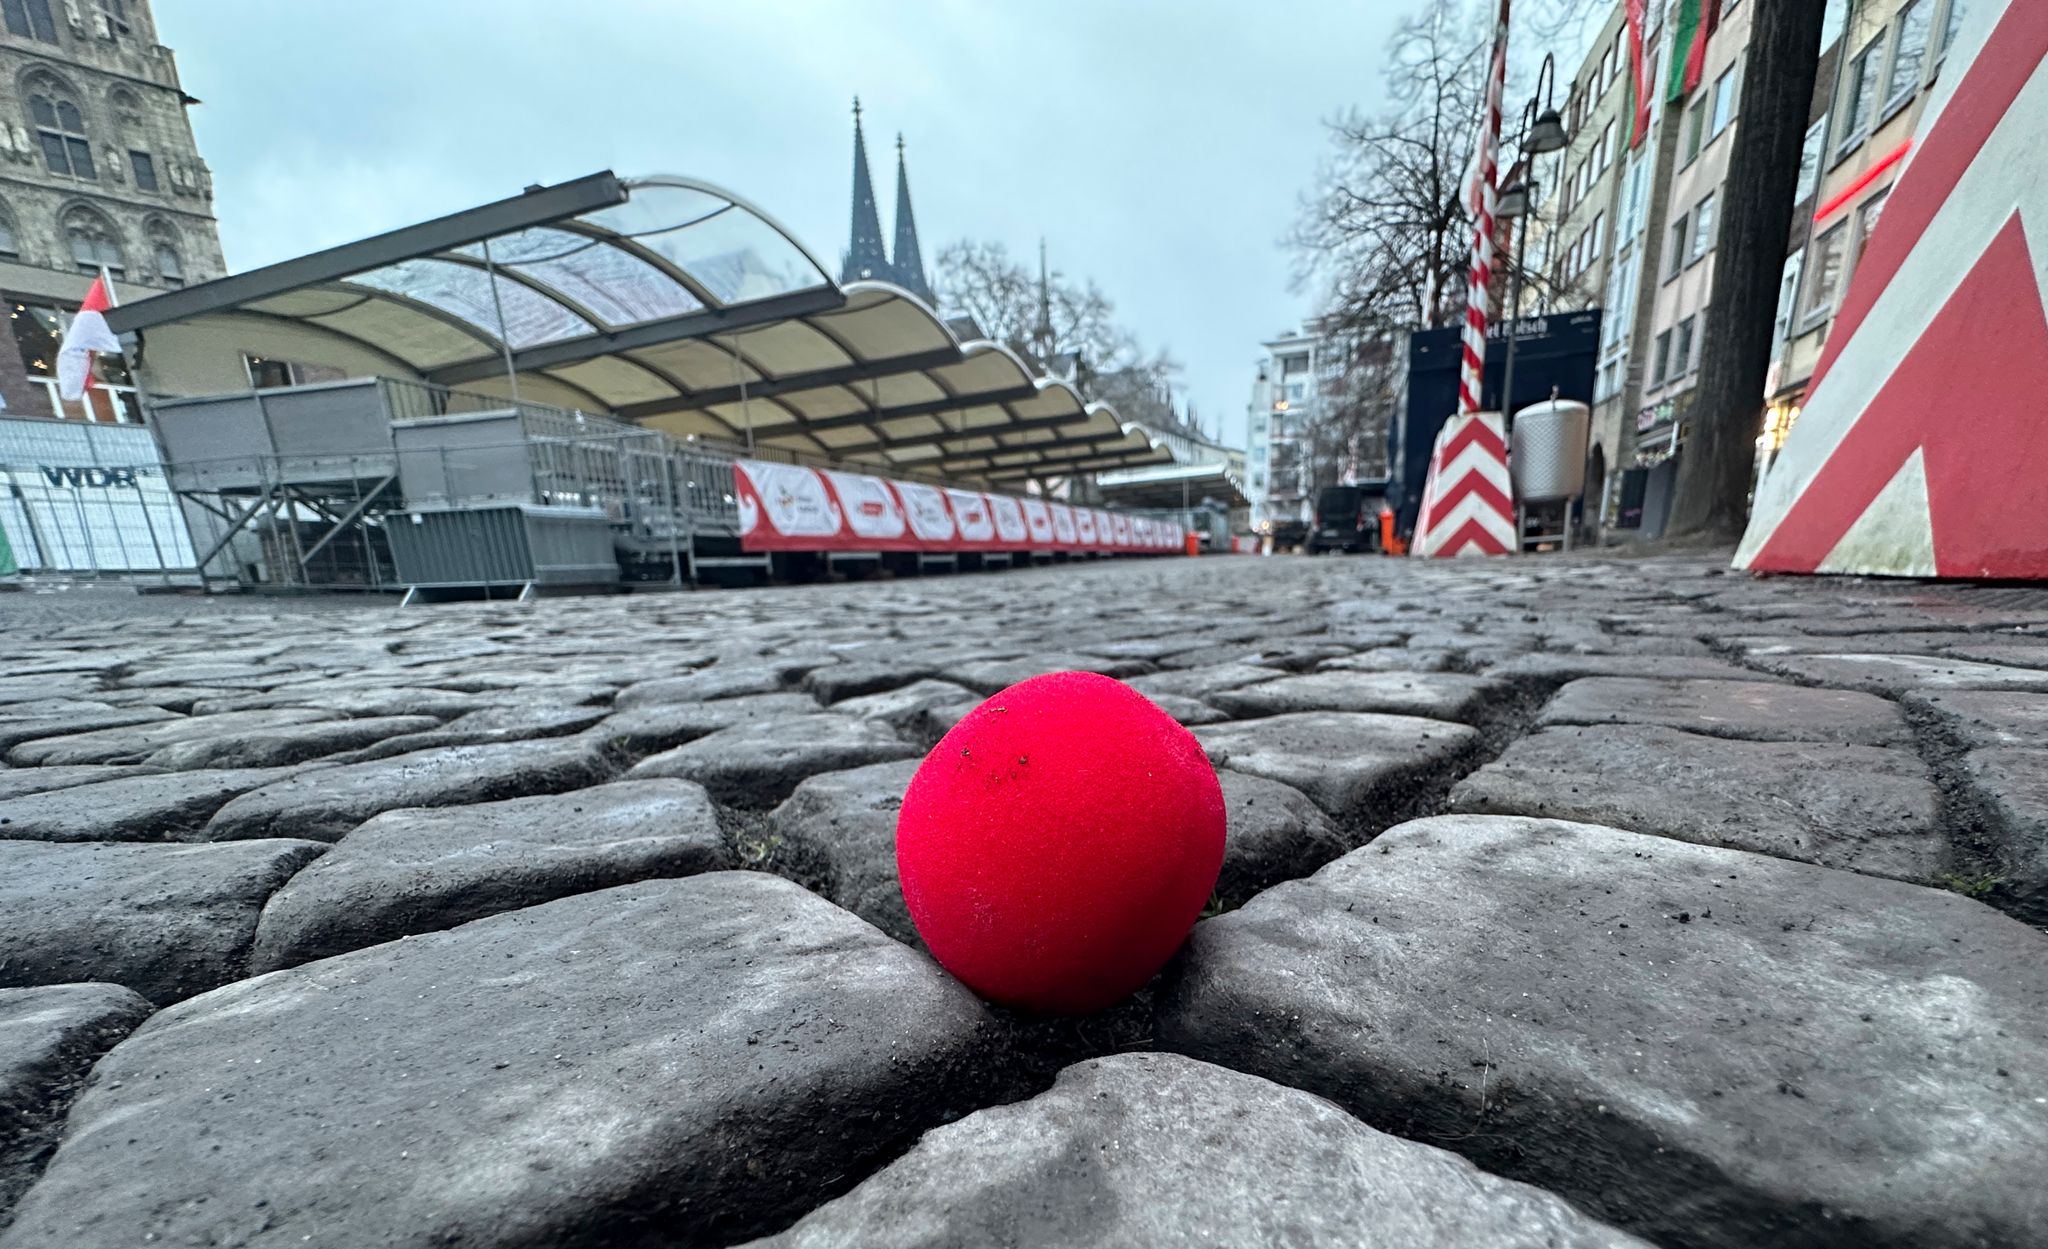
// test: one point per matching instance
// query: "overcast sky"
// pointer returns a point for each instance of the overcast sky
(1159, 147)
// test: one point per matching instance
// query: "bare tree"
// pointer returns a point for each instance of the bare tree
(1007, 301)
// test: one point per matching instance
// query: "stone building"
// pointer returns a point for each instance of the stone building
(98, 167)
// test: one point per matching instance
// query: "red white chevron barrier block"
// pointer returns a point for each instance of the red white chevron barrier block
(1467, 507)
(789, 507)
(1922, 448)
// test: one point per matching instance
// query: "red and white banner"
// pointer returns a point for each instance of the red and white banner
(1921, 450)
(789, 507)
(1466, 505)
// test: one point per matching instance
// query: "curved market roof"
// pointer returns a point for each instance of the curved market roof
(679, 305)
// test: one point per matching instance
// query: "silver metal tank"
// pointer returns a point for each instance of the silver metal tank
(1547, 450)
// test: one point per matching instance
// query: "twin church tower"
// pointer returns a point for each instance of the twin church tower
(865, 255)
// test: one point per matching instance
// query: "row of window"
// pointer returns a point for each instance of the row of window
(59, 126)
(31, 19)
(1880, 79)
(1675, 356)
(1580, 256)
(1692, 237)
(1710, 115)
(95, 243)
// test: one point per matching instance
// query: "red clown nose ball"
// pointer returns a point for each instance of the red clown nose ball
(1057, 845)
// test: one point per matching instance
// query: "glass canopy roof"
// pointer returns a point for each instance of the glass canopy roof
(673, 303)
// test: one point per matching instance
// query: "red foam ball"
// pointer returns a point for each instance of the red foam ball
(1058, 844)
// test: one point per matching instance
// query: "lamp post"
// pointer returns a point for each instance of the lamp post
(1542, 132)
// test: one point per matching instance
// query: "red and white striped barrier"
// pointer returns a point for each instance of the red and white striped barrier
(1921, 451)
(789, 507)
(1467, 505)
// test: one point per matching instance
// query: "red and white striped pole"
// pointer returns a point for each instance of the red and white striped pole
(1467, 507)
(1480, 199)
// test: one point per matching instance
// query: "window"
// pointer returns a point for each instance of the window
(1680, 237)
(1724, 100)
(1866, 221)
(145, 170)
(1702, 229)
(1949, 28)
(1681, 350)
(266, 374)
(1859, 95)
(1695, 131)
(1632, 205)
(94, 241)
(10, 248)
(1788, 294)
(1607, 147)
(60, 129)
(1661, 370)
(163, 250)
(1598, 233)
(1824, 272)
(1916, 21)
(1809, 160)
(1291, 366)
(30, 19)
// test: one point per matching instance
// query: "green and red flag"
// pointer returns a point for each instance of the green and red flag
(1638, 76)
(1692, 24)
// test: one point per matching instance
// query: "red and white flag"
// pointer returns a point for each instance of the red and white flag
(88, 334)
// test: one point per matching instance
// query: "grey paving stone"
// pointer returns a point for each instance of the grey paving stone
(1706, 1047)
(1388, 659)
(723, 680)
(758, 763)
(1157, 1149)
(165, 921)
(1995, 649)
(153, 806)
(364, 700)
(15, 688)
(1549, 668)
(1272, 832)
(1189, 711)
(1864, 808)
(658, 726)
(990, 675)
(836, 682)
(15, 782)
(1983, 718)
(1202, 683)
(49, 1040)
(325, 803)
(678, 1061)
(513, 722)
(1353, 765)
(2013, 784)
(1891, 674)
(1436, 695)
(1761, 711)
(413, 871)
(840, 827)
(135, 744)
(289, 743)
(14, 731)
(909, 709)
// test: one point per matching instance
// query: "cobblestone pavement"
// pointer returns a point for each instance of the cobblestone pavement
(1566, 902)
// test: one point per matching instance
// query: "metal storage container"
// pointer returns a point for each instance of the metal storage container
(517, 544)
(1547, 450)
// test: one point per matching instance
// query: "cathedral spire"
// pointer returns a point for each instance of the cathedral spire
(1042, 340)
(907, 259)
(864, 255)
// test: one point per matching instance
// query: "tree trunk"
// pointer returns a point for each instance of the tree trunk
(1712, 498)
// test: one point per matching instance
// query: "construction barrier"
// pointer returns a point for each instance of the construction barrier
(793, 507)
(1466, 508)
(1921, 449)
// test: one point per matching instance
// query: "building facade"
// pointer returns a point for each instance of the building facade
(98, 169)
(1279, 473)
(1884, 57)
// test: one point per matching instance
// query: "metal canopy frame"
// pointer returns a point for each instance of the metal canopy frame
(674, 303)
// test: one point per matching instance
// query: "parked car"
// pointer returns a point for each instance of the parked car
(1348, 518)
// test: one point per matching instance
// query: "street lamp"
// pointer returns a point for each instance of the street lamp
(1542, 132)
